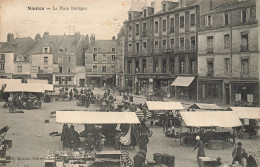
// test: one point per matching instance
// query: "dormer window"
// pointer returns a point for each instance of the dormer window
(164, 7)
(19, 58)
(113, 49)
(144, 12)
(95, 49)
(60, 50)
(46, 50)
(129, 16)
(209, 21)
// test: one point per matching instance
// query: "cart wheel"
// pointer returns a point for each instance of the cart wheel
(232, 141)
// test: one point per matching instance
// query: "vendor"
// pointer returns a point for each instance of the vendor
(65, 136)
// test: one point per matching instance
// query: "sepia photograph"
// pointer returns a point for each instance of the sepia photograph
(129, 83)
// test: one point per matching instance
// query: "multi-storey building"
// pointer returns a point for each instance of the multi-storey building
(228, 55)
(100, 60)
(160, 48)
(119, 66)
(15, 62)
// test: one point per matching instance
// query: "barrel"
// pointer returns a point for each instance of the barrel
(165, 159)
(157, 157)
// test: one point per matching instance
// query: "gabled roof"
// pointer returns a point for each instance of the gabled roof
(19, 46)
(103, 45)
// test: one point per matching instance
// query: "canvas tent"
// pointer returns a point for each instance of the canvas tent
(44, 83)
(9, 81)
(24, 88)
(211, 119)
(205, 106)
(246, 112)
(88, 117)
(160, 105)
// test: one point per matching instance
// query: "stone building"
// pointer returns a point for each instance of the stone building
(100, 61)
(228, 55)
(119, 66)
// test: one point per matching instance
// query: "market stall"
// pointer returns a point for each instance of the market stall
(209, 120)
(205, 106)
(94, 157)
(4, 82)
(250, 117)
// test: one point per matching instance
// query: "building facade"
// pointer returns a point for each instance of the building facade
(228, 55)
(100, 61)
(120, 60)
(160, 47)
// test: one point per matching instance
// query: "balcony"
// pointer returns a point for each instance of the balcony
(210, 51)
(244, 48)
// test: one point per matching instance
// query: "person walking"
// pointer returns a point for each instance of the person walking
(237, 154)
(201, 151)
(71, 95)
(143, 141)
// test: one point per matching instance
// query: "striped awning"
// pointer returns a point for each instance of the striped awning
(183, 81)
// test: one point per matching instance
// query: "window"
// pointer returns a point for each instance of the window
(130, 31)
(226, 19)
(209, 21)
(156, 27)
(104, 58)
(144, 29)
(144, 12)
(164, 66)
(104, 69)
(137, 47)
(210, 68)
(94, 68)
(244, 42)
(226, 41)
(69, 69)
(192, 66)
(193, 43)
(164, 25)
(172, 25)
(172, 65)
(137, 66)
(129, 70)
(144, 66)
(237, 97)
(112, 68)
(2, 56)
(60, 69)
(181, 44)
(156, 45)
(19, 69)
(144, 45)
(45, 59)
(210, 44)
(244, 67)
(164, 44)
(227, 65)
(192, 20)
(95, 49)
(129, 16)
(181, 21)
(137, 29)
(156, 66)
(113, 57)
(250, 98)
(181, 66)
(46, 50)
(2, 67)
(69, 59)
(19, 58)
(60, 59)
(94, 57)
(60, 50)
(113, 49)
(164, 7)
(172, 43)
(57, 78)
(129, 47)
(243, 16)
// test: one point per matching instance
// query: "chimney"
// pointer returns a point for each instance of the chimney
(183, 3)
(152, 4)
(92, 39)
(45, 34)
(37, 37)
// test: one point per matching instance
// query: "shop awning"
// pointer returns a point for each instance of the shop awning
(161, 105)
(246, 112)
(183, 81)
(211, 119)
(9, 81)
(37, 81)
(89, 117)
(24, 88)
(205, 106)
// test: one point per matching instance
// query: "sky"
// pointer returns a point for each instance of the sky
(104, 18)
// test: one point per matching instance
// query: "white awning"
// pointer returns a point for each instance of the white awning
(89, 117)
(24, 88)
(9, 81)
(205, 106)
(183, 81)
(211, 119)
(161, 105)
(246, 112)
(37, 81)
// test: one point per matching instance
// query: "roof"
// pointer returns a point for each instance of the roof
(211, 119)
(19, 46)
(246, 112)
(182, 81)
(230, 6)
(161, 105)
(24, 88)
(9, 81)
(103, 45)
(205, 106)
(89, 117)
(37, 81)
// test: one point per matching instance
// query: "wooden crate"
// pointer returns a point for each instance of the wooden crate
(207, 162)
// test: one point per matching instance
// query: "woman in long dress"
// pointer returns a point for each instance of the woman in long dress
(201, 151)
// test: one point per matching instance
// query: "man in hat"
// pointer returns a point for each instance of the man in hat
(237, 153)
